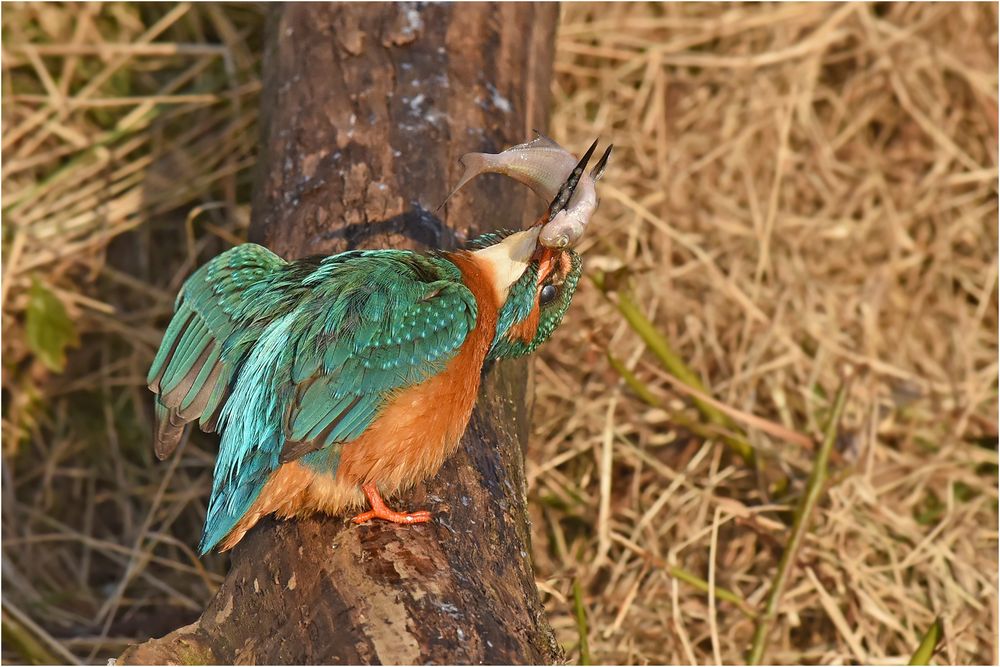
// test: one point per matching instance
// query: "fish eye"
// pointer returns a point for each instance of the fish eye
(548, 294)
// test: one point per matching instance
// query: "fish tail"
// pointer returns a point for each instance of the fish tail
(474, 164)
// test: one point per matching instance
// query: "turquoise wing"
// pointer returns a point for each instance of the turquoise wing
(368, 325)
(216, 315)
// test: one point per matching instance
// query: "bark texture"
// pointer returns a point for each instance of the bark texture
(367, 108)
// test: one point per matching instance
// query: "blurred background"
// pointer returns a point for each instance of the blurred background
(800, 192)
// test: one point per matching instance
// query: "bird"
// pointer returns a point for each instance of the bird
(343, 379)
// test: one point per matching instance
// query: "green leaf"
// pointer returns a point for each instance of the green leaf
(49, 328)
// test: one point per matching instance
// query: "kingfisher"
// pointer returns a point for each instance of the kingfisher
(339, 380)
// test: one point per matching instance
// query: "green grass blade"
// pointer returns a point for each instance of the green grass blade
(813, 492)
(928, 644)
(699, 428)
(702, 585)
(581, 624)
(637, 386)
(671, 361)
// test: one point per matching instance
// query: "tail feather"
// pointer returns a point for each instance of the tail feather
(234, 497)
(283, 495)
(227, 506)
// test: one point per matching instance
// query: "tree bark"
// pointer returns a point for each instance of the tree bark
(366, 110)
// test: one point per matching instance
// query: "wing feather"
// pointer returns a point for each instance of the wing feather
(191, 371)
(168, 346)
(371, 324)
(202, 385)
(410, 330)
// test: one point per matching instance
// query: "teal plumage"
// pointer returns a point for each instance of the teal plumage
(290, 357)
(218, 315)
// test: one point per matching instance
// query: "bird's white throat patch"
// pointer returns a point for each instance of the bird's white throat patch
(509, 259)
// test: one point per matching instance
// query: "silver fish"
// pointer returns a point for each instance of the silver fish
(545, 166)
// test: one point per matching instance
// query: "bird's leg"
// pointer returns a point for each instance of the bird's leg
(380, 511)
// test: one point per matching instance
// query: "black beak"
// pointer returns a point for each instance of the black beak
(566, 190)
(598, 170)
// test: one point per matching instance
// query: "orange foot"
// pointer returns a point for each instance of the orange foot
(380, 511)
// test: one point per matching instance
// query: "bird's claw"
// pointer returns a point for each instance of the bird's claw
(386, 514)
(379, 509)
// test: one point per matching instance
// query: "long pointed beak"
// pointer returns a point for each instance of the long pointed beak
(565, 193)
(598, 170)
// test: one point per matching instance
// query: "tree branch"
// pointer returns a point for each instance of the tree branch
(366, 110)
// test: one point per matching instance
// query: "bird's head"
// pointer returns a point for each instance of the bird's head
(535, 271)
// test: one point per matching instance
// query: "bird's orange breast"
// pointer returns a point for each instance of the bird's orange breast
(422, 425)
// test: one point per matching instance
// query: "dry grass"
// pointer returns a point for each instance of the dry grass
(128, 138)
(798, 190)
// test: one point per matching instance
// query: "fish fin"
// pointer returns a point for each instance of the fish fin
(540, 141)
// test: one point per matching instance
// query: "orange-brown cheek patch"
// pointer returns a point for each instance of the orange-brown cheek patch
(526, 329)
(550, 263)
(547, 264)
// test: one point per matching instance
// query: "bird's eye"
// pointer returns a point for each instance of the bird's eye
(548, 294)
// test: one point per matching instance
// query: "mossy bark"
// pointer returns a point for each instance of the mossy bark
(366, 110)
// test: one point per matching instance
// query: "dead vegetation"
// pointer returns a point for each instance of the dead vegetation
(799, 192)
